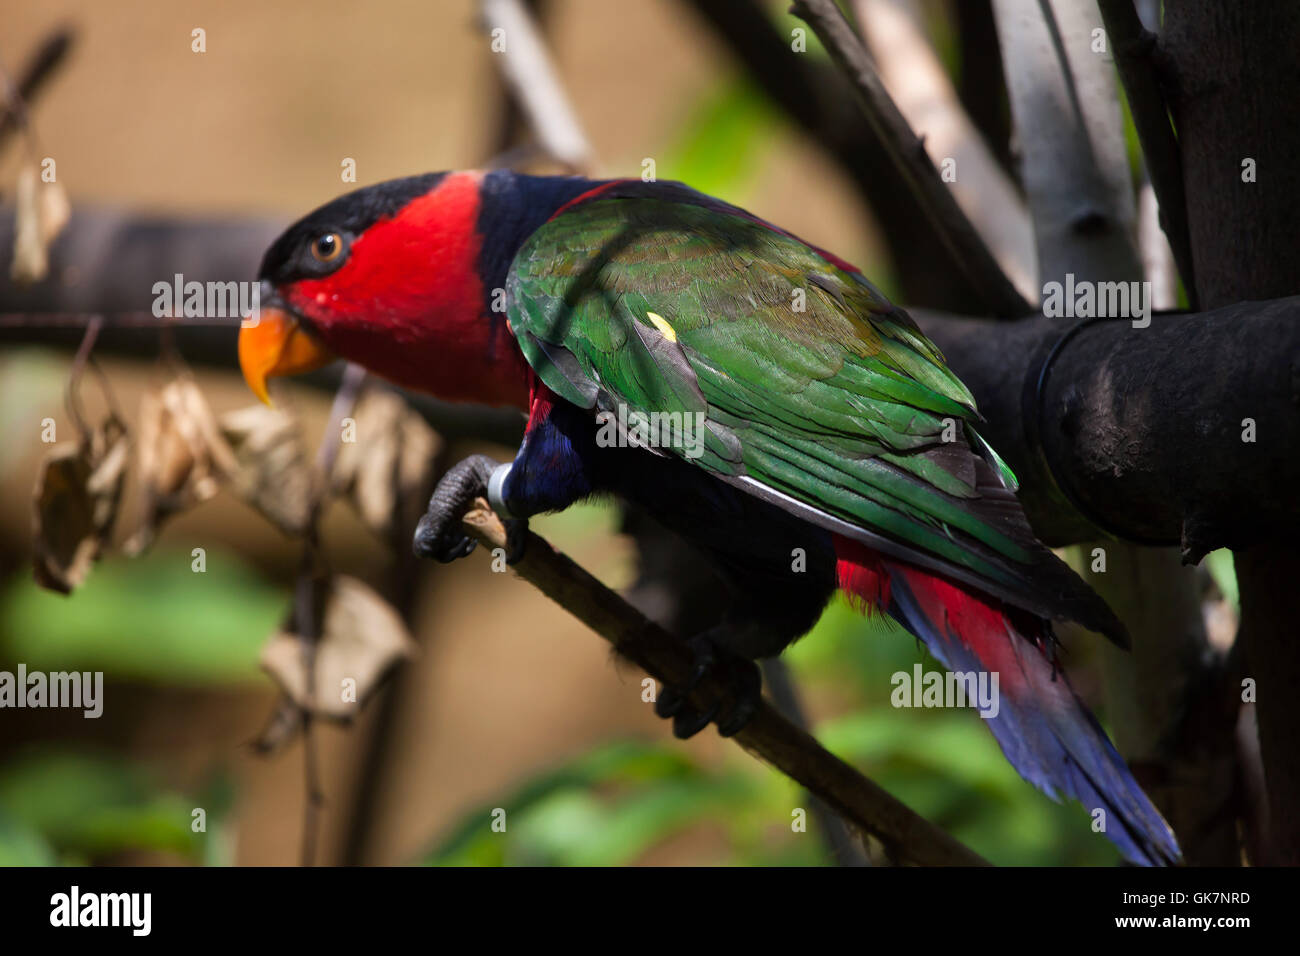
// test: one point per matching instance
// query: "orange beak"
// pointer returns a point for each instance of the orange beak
(277, 345)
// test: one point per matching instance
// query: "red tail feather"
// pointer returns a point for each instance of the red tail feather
(1044, 729)
(861, 575)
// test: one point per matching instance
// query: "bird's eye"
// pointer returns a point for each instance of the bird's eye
(327, 248)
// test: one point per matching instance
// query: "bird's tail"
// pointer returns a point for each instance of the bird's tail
(1042, 726)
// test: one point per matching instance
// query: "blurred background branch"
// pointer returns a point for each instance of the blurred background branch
(1134, 48)
(915, 77)
(995, 293)
(43, 64)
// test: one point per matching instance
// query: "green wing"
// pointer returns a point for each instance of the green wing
(817, 392)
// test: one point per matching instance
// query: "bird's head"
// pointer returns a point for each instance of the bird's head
(389, 277)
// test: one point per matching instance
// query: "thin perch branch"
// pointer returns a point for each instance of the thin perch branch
(908, 155)
(908, 837)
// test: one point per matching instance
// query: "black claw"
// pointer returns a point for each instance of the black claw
(456, 549)
(516, 538)
(738, 703)
(424, 543)
(742, 712)
(440, 547)
(690, 721)
(669, 703)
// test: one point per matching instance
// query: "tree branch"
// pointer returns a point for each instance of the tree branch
(1133, 47)
(1238, 138)
(907, 153)
(1135, 421)
(907, 837)
(1078, 178)
(527, 70)
(1074, 164)
(1143, 426)
(816, 98)
(44, 63)
(211, 344)
(838, 835)
(919, 84)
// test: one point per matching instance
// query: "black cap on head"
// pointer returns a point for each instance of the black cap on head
(290, 258)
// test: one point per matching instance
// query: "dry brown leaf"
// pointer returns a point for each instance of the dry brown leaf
(75, 505)
(387, 470)
(55, 211)
(41, 210)
(182, 456)
(362, 638)
(30, 261)
(274, 473)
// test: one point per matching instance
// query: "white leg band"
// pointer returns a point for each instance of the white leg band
(496, 488)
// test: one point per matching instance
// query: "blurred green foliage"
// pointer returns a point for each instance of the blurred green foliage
(151, 619)
(31, 381)
(737, 114)
(614, 805)
(603, 809)
(71, 808)
(1224, 572)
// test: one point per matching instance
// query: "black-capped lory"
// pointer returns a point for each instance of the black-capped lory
(754, 393)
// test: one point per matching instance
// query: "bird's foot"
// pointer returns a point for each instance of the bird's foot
(516, 536)
(733, 709)
(439, 535)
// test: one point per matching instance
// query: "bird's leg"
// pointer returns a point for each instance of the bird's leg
(439, 535)
(549, 473)
(732, 709)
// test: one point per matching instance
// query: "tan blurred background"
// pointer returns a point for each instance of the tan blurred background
(259, 124)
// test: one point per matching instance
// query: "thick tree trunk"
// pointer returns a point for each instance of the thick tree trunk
(1143, 426)
(1232, 77)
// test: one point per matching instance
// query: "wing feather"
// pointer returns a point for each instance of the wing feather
(817, 392)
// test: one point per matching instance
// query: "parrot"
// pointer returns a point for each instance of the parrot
(754, 393)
